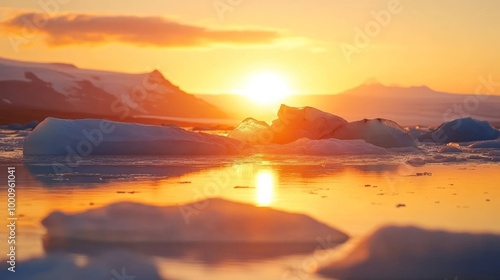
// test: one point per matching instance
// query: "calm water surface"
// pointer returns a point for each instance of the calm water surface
(352, 193)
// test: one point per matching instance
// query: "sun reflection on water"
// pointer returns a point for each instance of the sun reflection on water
(264, 185)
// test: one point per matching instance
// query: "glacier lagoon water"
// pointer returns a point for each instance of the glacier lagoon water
(445, 187)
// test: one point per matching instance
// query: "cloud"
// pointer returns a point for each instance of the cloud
(73, 29)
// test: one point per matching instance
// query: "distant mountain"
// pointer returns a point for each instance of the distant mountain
(405, 105)
(31, 91)
(379, 90)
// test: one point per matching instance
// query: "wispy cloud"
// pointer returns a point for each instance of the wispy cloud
(73, 29)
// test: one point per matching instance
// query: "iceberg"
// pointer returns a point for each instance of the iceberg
(379, 132)
(117, 264)
(211, 220)
(292, 130)
(412, 253)
(252, 131)
(292, 124)
(311, 123)
(83, 137)
(295, 123)
(461, 130)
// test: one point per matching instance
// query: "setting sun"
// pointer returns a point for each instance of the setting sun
(266, 88)
(264, 182)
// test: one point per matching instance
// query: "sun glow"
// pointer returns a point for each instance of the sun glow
(267, 88)
(264, 184)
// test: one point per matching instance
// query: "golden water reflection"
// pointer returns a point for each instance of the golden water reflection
(264, 185)
(355, 199)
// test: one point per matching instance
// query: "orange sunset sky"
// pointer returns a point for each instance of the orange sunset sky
(215, 46)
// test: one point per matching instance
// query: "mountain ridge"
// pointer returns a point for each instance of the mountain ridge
(61, 89)
(381, 90)
(414, 105)
(35, 90)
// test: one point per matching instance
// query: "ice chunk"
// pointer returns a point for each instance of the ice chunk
(379, 132)
(410, 252)
(77, 138)
(17, 126)
(252, 131)
(292, 124)
(295, 123)
(461, 130)
(212, 220)
(111, 265)
(324, 147)
(491, 144)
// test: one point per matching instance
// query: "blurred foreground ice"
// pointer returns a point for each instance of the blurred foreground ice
(413, 253)
(212, 220)
(111, 265)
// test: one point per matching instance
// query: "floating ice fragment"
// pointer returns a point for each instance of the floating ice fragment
(78, 138)
(212, 220)
(379, 132)
(413, 253)
(461, 130)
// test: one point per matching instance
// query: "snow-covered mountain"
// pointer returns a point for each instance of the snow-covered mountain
(36, 90)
